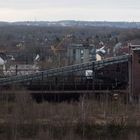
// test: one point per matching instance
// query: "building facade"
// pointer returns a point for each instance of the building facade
(80, 53)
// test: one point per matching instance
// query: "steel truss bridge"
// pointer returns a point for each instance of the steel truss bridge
(64, 71)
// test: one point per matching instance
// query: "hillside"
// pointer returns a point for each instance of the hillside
(76, 23)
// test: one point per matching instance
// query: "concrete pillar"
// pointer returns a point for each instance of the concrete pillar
(86, 55)
(78, 56)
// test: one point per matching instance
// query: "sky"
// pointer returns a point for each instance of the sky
(54, 10)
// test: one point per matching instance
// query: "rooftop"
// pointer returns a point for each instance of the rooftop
(134, 47)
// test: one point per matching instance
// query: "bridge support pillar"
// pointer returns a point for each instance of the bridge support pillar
(135, 77)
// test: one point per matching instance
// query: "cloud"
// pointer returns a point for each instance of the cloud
(52, 14)
(74, 9)
(36, 4)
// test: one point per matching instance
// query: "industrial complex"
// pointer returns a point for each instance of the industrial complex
(87, 75)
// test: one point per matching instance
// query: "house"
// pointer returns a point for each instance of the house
(3, 60)
(21, 69)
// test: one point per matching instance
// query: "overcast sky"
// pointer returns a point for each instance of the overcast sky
(52, 10)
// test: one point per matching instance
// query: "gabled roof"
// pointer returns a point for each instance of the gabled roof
(1, 61)
(3, 56)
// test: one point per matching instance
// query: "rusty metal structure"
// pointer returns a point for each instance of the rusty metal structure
(119, 74)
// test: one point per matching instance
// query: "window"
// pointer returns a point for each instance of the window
(82, 52)
(74, 54)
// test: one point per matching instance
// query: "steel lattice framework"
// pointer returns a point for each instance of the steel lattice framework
(64, 70)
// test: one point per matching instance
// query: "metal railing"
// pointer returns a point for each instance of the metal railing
(64, 70)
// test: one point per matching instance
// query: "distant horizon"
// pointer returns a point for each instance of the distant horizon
(67, 20)
(81, 10)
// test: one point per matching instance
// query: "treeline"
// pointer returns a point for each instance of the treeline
(31, 40)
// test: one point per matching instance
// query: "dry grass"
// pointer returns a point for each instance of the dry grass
(21, 118)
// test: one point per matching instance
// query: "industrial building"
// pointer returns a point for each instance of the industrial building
(115, 74)
(80, 53)
(135, 70)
